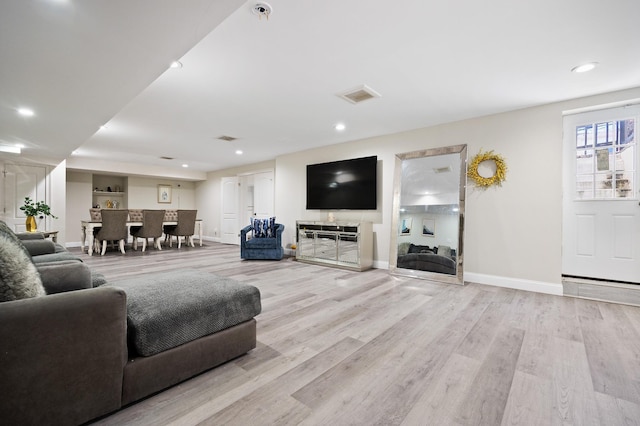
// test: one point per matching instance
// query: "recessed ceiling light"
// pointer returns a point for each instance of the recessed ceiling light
(262, 9)
(26, 112)
(584, 67)
(185, 165)
(176, 64)
(10, 149)
(340, 127)
(239, 152)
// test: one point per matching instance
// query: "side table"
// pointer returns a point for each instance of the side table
(52, 234)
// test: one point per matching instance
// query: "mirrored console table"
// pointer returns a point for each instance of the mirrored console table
(346, 245)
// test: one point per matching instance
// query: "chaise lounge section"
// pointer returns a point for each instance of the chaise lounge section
(77, 355)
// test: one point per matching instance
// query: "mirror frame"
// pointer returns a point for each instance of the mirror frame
(397, 189)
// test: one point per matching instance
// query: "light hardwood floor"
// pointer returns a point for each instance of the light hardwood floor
(367, 348)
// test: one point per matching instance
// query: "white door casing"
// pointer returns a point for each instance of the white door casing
(601, 214)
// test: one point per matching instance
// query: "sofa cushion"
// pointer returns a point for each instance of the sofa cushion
(256, 243)
(413, 248)
(19, 278)
(64, 275)
(55, 257)
(168, 309)
(39, 247)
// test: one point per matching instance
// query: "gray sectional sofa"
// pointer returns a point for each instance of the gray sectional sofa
(74, 347)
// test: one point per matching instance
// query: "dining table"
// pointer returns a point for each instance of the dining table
(89, 225)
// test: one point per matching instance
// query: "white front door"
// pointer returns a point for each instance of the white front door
(230, 229)
(22, 181)
(601, 191)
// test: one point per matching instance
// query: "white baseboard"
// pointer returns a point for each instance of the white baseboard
(515, 283)
(378, 264)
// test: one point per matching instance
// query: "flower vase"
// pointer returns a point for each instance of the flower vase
(31, 224)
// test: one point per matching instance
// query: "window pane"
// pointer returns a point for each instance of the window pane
(584, 186)
(624, 184)
(584, 161)
(603, 185)
(627, 131)
(606, 160)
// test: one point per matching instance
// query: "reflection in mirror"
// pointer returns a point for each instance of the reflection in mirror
(428, 214)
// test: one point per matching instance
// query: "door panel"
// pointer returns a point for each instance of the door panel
(601, 215)
(230, 230)
(20, 182)
(263, 194)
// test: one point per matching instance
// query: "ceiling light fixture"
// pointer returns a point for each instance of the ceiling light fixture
(262, 9)
(185, 165)
(26, 112)
(584, 67)
(10, 149)
(176, 64)
(238, 152)
(340, 127)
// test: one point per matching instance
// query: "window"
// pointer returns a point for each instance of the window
(605, 160)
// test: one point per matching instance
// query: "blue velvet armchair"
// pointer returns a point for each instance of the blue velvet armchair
(261, 248)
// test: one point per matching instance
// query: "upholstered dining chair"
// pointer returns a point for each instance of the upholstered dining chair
(114, 228)
(185, 228)
(151, 228)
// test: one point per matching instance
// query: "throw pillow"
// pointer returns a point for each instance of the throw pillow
(256, 225)
(444, 251)
(272, 226)
(19, 278)
(263, 228)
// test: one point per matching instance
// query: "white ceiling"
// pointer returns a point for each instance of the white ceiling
(273, 83)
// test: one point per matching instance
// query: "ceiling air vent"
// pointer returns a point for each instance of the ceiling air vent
(166, 158)
(227, 138)
(360, 94)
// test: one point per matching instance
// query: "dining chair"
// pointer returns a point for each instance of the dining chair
(151, 228)
(185, 227)
(114, 228)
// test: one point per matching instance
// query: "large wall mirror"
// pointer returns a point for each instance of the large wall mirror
(428, 214)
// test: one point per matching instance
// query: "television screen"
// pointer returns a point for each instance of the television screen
(343, 185)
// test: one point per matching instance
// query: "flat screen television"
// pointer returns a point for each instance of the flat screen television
(343, 185)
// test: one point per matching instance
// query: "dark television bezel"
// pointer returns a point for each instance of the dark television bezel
(372, 199)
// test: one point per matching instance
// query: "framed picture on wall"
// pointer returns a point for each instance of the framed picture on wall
(429, 227)
(405, 226)
(164, 193)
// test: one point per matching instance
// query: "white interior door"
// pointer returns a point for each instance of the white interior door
(22, 181)
(601, 215)
(230, 228)
(263, 198)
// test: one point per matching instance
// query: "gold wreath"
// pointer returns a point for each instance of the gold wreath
(485, 182)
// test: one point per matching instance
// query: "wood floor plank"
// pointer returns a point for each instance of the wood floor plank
(439, 402)
(494, 377)
(364, 348)
(617, 411)
(613, 348)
